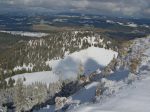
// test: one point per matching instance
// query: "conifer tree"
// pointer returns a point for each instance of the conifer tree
(19, 98)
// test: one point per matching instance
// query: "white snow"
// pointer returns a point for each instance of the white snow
(91, 59)
(129, 24)
(45, 77)
(132, 25)
(146, 26)
(28, 34)
(26, 67)
(60, 20)
(110, 21)
(120, 23)
(86, 94)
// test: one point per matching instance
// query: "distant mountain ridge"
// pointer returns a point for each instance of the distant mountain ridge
(25, 22)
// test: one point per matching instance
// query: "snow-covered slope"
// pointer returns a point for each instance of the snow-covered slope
(136, 98)
(45, 77)
(86, 94)
(91, 59)
(131, 98)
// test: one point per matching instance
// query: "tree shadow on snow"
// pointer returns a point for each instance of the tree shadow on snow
(69, 67)
(118, 75)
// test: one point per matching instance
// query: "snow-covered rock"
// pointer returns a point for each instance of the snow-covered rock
(60, 102)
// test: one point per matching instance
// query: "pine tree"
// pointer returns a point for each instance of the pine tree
(19, 98)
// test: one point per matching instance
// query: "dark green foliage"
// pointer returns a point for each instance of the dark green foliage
(8, 40)
(11, 82)
(3, 84)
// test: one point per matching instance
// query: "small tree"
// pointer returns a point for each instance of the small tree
(80, 70)
(134, 65)
(11, 82)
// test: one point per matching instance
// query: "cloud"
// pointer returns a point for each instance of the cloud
(140, 8)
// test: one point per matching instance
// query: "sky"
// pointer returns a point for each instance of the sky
(130, 8)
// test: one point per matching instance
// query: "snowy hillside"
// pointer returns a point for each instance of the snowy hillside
(130, 98)
(135, 98)
(91, 59)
